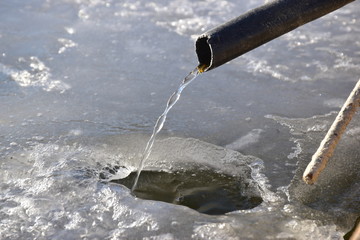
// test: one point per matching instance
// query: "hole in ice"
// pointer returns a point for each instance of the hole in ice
(206, 191)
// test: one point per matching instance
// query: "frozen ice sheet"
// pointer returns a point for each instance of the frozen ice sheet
(78, 75)
(337, 189)
(54, 189)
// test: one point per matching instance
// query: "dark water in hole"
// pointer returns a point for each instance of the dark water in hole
(205, 191)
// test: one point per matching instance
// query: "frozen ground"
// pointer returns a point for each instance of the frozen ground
(82, 83)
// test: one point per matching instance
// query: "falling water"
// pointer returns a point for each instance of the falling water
(161, 120)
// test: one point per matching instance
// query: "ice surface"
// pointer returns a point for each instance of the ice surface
(338, 183)
(83, 82)
(250, 138)
(60, 195)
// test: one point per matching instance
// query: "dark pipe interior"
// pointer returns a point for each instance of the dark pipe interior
(203, 51)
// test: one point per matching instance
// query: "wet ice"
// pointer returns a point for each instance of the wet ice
(93, 208)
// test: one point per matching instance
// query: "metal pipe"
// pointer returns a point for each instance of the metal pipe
(257, 27)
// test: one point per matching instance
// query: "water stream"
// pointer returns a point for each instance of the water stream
(161, 120)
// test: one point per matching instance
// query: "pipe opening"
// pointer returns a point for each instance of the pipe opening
(203, 51)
